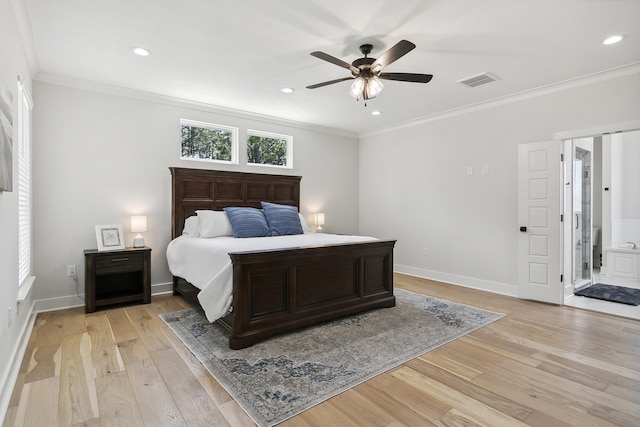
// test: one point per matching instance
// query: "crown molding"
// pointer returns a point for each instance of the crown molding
(590, 79)
(60, 80)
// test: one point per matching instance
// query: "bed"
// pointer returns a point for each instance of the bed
(277, 290)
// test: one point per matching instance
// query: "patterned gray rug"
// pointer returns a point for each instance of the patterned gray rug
(285, 375)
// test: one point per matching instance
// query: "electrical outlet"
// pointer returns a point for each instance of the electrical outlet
(71, 270)
(427, 251)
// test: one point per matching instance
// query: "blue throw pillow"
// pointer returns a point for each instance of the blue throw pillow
(247, 222)
(282, 219)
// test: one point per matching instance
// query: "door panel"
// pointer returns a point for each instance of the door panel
(539, 207)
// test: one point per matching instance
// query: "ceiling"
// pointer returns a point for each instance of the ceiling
(238, 54)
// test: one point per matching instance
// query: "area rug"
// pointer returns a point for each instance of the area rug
(282, 376)
(612, 293)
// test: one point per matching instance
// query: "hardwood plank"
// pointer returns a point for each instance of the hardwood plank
(156, 404)
(466, 406)
(77, 399)
(500, 403)
(148, 328)
(37, 408)
(117, 403)
(195, 404)
(45, 363)
(121, 326)
(385, 399)
(105, 354)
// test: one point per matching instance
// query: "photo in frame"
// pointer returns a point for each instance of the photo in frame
(109, 237)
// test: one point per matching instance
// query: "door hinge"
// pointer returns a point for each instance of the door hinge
(561, 217)
(561, 157)
(561, 278)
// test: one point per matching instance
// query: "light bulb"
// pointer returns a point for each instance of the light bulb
(356, 87)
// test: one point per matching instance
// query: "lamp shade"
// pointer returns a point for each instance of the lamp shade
(319, 217)
(138, 224)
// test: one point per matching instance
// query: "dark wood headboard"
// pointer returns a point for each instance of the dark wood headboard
(194, 189)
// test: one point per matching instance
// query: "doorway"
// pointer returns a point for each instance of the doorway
(610, 185)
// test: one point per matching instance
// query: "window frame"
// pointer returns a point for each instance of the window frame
(213, 126)
(289, 147)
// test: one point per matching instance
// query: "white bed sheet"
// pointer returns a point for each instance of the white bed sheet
(205, 263)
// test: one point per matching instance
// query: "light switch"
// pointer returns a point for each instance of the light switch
(469, 170)
(485, 168)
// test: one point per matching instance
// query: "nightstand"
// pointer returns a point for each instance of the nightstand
(113, 277)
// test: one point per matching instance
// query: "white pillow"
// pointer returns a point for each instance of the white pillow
(305, 226)
(214, 224)
(191, 227)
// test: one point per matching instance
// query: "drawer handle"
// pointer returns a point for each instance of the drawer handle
(119, 259)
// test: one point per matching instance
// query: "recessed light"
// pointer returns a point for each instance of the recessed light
(141, 51)
(375, 113)
(613, 39)
(287, 90)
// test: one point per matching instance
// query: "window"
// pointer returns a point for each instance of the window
(25, 278)
(269, 149)
(208, 142)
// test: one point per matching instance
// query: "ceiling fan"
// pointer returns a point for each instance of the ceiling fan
(366, 72)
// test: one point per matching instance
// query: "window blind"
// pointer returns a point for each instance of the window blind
(24, 184)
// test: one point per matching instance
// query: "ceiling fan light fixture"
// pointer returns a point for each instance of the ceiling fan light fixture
(357, 87)
(374, 87)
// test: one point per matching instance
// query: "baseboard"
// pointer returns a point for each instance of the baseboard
(9, 381)
(454, 279)
(70, 301)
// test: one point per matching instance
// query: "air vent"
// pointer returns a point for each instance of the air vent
(478, 80)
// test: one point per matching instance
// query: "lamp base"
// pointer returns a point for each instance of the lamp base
(138, 241)
(319, 229)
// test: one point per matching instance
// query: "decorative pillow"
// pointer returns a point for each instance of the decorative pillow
(214, 224)
(304, 224)
(247, 222)
(282, 219)
(191, 227)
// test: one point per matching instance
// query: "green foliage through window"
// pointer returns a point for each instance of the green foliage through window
(203, 143)
(271, 150)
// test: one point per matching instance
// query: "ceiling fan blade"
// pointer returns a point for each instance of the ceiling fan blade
(330, 82)
(396, 52)
(336, 61)
(407, 77)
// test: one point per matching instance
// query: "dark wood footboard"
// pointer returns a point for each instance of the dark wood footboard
(276, 291)
(280, 290)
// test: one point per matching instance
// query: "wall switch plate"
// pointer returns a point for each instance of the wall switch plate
(427, 251)
(485, 168)
(469, 170)
(71, 270)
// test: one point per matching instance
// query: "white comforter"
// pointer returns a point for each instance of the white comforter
(205, 263)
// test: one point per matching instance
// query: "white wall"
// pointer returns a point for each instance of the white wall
(414, 185)
(12, 64)
(100, 157)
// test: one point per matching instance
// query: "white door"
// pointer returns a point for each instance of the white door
(539, 210)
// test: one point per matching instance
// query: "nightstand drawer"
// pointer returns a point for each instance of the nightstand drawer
(119, 263)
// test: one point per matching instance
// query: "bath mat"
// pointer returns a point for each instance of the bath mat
(611, 293)
(282, 376)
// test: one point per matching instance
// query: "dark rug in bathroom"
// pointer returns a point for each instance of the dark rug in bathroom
(612, 293)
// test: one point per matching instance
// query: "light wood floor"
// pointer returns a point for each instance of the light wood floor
(540, 365)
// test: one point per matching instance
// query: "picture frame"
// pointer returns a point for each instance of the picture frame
(109, 237)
